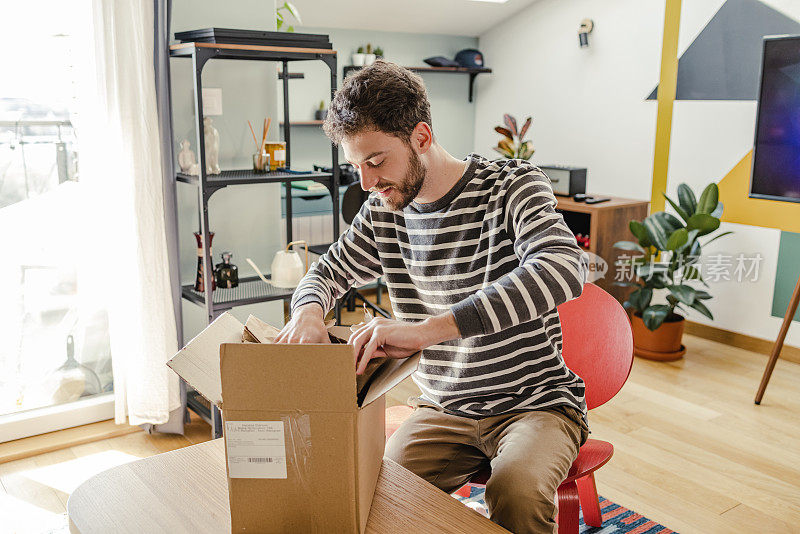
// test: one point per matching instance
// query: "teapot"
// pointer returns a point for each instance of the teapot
(287, 267)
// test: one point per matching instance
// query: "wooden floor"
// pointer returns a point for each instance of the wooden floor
(692, 450)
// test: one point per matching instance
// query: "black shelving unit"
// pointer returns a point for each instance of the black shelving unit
(471, 71)
(250, 290)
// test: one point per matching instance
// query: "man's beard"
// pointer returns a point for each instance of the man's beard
(409, 188)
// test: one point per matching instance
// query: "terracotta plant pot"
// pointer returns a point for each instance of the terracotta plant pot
(663, 343)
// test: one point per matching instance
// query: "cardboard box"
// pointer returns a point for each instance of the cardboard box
(302, 455)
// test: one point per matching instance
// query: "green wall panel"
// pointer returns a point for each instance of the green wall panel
(787, 273)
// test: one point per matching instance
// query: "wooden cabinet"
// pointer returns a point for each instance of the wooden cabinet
(605, 224)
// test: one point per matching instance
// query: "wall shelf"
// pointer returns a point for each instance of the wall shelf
(305, 123)
(472, 72)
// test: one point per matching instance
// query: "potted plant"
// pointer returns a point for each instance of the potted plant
(378, 52)
(666, 258)
(321, 113)
(358, 57)
(369, 56)
(280, 17)
(513, 144)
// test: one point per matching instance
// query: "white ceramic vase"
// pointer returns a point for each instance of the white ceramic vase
(212, 146)
(358, 60)
(186, 157)
(369, 59)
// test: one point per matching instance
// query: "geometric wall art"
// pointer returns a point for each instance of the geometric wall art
(724, 60)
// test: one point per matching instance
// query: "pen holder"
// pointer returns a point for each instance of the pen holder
(261, 162)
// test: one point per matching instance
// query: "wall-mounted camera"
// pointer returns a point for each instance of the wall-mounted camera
(584, 30)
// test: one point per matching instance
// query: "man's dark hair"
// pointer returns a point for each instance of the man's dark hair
(383, 97)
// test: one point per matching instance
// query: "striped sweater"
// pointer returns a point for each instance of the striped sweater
(492, 250)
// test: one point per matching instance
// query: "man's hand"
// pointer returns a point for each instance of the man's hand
(399, 339)
(306, 326)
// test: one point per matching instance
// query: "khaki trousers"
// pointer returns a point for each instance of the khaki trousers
(530, 454)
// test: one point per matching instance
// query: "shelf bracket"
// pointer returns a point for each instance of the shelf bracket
(472, 76)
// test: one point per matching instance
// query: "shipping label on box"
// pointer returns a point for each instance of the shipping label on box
(256, 449)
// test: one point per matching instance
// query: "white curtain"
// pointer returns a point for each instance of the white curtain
(123, 218)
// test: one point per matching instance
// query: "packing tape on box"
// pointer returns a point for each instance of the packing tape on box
(299, 434)
(271, 449)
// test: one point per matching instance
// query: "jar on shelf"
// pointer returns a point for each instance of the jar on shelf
(226, 274)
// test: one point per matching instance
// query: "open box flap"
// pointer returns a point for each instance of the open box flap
(260, 331)
(341, 332)
(389, 375)
(198, 361)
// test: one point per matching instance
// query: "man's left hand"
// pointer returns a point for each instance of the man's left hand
(399, 339)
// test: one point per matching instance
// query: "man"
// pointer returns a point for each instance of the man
(475, 259)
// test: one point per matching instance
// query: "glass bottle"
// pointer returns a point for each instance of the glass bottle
(226, 274)
(198, 281)
(71, 380)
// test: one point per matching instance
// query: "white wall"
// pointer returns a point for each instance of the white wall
(589, 109)
(588, 105)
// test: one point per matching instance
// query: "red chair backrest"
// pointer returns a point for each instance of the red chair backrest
(598, 343)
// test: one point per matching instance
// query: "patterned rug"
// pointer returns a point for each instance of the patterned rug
(616, 519)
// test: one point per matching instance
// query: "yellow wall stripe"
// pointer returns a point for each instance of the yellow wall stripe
(666, 98)
(740, 208)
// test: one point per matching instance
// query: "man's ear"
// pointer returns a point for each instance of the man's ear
(421, 138)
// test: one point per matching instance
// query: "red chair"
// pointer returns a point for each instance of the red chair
(598, 346)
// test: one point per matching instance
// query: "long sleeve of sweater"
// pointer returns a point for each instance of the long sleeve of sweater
(552, 267)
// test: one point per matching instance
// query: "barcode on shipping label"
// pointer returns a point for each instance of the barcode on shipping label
(256, 449)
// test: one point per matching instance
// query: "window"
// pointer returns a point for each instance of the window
(54, 343)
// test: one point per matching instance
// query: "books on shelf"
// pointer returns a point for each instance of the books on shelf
(255, 37)
(308, 185)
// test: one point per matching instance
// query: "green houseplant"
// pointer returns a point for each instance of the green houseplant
(666, 256)
(359, 57)
(513, 144)
(282, 13)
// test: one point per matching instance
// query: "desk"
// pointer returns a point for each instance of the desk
(186, 490)
(605, 224)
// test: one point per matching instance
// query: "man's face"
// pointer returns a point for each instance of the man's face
(386, 165)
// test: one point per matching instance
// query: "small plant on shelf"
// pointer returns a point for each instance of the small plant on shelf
(321, 113)
(281, 14)
(378, 52)
(359, 57)
(666, 256)
(513, 144)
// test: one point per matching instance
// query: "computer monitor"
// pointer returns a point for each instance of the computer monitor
(776, 158)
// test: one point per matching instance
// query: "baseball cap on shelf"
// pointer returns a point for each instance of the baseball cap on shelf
(471, 58)
(440, 61)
